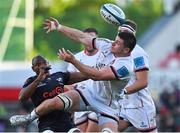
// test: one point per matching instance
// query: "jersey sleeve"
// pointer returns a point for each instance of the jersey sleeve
(102, 44)
(141, 63)
(140, 59)
(121, 69)
(65, 76)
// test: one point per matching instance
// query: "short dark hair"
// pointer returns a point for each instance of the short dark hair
(129, 39)
(131, 23)
(38, 58)
(90, 30)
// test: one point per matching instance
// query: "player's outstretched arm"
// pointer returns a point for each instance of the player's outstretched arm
(92, 73)
(76, 77)
(52, 24)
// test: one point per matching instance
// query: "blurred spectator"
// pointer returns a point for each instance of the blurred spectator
(164, 98)
(170, 110)
(176, 93)
(172, 60)
(167, 122)
(177, 119)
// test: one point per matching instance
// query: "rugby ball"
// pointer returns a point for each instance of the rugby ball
(112, 14)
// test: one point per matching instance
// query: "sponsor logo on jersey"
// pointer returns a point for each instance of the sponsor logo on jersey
(139, 62)
(99, 66)
(123, 71)
(59, 79)
(53, 93)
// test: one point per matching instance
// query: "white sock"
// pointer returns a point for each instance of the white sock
(34, 115)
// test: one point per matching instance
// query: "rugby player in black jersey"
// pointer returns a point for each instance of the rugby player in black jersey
(44, 86)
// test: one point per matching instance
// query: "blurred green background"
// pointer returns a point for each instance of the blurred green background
(74, 13)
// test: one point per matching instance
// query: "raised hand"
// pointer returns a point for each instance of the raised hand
(42, 74)
(51, 24)
(65, 55)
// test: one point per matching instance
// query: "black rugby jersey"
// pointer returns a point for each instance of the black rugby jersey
(58, 121)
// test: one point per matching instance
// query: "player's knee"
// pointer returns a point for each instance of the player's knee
(67, 102)
(93, 116)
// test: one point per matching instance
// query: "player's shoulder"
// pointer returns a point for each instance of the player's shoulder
(30, 80)
(61, 76)
(138, 50)
(124, 60)
(60, 73)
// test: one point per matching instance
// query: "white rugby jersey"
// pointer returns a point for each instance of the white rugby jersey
(85, 59)
(107, 92)
(142, 97)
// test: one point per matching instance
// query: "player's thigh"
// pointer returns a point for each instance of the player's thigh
(92, 126)
(75, 97)
(123, 125)
(92, 122)
(82, 126)
(123, 121)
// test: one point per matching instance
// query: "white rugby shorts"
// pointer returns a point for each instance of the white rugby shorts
(142, 118)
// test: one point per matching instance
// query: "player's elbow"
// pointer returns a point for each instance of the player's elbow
(22, 98)
(87, 40)
(144, 84)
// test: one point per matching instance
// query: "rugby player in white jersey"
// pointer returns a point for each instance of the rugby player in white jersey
(114, 67)
(86, 121)
(137, 106)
